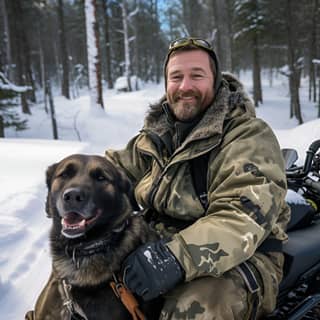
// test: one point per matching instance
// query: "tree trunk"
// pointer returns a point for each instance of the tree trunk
(52, 111)
(319, 101)
(135, 56)
(157, 38)
(17, 42)
(1, 127)
(28, 70)
(257, 91)
(313, 54)
(294, 74)
(43, 77)
(108, 44)
(94, 66)
(6, 59)
(221, 11)
(171, 33)
(21, 51)
(65, 86)
(126, 42)
(189, 9)
(24, 49)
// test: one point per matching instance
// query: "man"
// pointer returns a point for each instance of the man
(220, 254)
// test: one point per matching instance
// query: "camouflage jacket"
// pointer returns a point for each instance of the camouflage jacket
(246, 182)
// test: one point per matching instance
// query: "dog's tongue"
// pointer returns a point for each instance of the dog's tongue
(73, 219)
(73, 225)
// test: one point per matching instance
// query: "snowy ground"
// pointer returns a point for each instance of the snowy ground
(24, 255)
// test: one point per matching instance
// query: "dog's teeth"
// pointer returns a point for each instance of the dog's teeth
(82, 223)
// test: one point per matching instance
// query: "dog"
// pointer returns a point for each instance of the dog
(94, 228)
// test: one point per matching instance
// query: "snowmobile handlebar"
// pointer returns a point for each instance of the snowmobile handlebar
(315, 185)
(301, 173)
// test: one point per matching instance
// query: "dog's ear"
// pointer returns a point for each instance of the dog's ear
(49, 175)
(127, 187)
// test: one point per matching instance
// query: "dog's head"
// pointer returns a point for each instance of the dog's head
(87, 193)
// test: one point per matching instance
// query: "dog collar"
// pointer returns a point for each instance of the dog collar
(76, 252)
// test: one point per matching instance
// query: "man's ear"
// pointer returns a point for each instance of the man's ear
(49, 175)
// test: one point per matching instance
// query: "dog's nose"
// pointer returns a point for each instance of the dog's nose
(74, 196)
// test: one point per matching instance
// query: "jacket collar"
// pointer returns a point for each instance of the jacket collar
(159, 122)
(231, 100)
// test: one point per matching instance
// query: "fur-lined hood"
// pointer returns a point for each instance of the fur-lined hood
(230, 101)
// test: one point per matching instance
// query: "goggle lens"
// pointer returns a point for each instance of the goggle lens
(183, 42)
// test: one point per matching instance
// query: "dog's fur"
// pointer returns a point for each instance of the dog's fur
(93, 230)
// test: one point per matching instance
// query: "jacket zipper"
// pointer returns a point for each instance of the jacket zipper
(154, 188)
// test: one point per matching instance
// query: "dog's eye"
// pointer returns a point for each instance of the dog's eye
(67, 172)
(101, 177)
(63, 175)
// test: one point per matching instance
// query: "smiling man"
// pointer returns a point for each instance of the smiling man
(210, 177)
(190, 84)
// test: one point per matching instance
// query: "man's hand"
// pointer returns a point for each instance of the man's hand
(151, 270)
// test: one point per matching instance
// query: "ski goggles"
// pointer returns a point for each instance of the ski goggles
(187, 41)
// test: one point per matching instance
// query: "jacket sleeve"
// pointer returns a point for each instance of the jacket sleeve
(130, 160)
(246, 191)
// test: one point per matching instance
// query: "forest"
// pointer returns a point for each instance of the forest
(50, 47)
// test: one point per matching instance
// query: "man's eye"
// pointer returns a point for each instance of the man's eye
(175, 78)
(197, 76)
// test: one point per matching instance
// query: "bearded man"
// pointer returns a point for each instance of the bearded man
(210, 178)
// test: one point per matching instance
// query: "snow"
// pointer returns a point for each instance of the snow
(148, 255)
(293, 197)
(6, 85)
(25, 155)
(121, 83)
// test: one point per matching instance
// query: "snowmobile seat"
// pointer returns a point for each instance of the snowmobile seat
(301, 254)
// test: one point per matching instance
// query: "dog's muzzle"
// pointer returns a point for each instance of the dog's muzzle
(77, 212)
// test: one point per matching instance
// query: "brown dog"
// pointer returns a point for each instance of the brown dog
(93, 230)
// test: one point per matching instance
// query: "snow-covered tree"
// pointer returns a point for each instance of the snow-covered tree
(9, 97)
(94, 67)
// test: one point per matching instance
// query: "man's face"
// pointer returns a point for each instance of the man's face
(190, 83)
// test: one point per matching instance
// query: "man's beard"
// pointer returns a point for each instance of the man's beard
(186, 111)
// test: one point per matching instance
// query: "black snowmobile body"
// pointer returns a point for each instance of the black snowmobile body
(299, 296)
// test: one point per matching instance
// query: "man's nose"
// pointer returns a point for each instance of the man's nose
(186, 84)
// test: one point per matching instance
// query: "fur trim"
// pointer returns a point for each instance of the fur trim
(231, 100)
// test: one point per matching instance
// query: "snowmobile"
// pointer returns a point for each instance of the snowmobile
(299, 294)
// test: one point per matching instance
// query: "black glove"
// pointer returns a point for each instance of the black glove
(151, 270)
